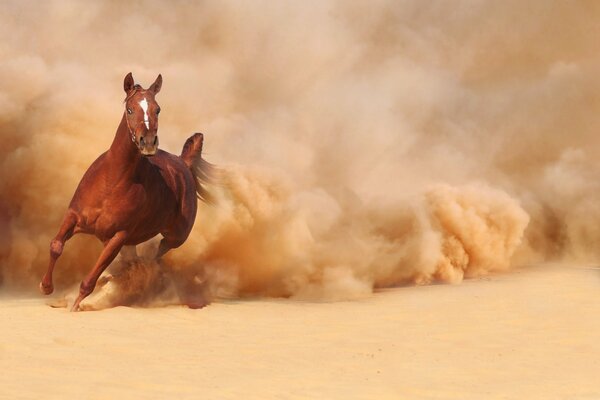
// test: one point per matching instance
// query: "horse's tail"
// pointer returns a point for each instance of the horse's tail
(203, 171)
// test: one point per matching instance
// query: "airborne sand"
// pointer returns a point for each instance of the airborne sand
(531, 334)
(366, 145)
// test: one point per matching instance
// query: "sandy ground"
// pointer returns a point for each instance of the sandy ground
(530, 334)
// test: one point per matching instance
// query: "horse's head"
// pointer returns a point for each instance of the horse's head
(141, 114)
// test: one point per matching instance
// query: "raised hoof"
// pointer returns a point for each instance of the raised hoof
(46, 289)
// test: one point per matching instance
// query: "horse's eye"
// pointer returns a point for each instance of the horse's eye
(158, 111)
(129, 111)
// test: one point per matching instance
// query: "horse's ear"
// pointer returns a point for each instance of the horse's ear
(155, 87)
(128, 83)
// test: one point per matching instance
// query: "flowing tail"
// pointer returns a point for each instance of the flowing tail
(203, 171)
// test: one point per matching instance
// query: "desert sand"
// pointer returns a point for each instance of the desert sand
(529, 334)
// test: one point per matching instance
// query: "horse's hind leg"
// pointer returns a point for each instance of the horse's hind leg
(56, 248)
(191, 292)
(110, 251)
(168, 244)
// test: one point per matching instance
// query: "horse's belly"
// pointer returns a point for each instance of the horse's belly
(140, 237)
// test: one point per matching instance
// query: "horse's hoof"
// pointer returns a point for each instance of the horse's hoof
(196, 304)
(76, 306)
(46, 289)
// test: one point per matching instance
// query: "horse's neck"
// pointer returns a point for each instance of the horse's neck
(123, 155)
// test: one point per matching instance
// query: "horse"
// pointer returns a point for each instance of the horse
(134, 191)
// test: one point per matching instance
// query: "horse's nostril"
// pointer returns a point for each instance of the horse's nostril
(142, 142)
(155, 140)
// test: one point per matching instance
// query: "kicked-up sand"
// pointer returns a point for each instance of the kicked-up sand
(530, 334)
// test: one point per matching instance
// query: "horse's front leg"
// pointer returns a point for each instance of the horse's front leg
(56, 248)
(111, 249)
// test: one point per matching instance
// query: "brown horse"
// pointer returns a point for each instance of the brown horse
(134, 191)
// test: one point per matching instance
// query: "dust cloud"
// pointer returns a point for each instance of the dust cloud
(363, 144)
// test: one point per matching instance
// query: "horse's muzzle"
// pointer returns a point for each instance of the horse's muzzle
(148, 147)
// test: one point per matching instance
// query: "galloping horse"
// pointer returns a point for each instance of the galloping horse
(134, 191)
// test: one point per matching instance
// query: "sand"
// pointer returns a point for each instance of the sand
(530, 334)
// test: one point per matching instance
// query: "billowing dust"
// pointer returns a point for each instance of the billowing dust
(362, 144)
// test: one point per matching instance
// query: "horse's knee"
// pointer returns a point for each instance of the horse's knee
(56, 248)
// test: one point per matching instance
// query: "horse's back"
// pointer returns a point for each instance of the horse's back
(175, 172)
(178, 177)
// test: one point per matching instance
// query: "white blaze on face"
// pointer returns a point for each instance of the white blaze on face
(144, 105)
